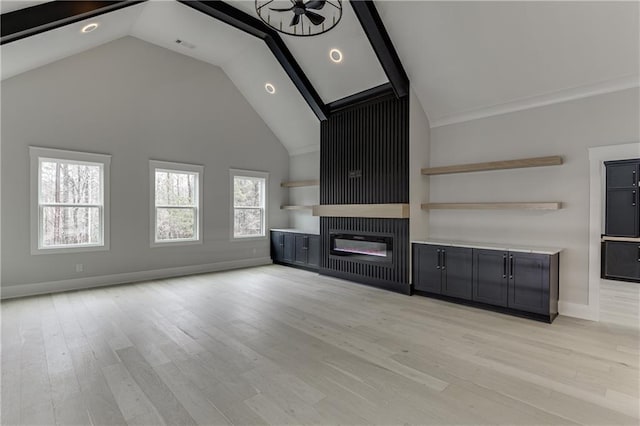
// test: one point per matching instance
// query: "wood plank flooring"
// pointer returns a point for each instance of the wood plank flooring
(276, 345)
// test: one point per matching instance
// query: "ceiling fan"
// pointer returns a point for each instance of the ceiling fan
(300, 8)
(286, 16)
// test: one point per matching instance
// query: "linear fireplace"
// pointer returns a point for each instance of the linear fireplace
(369, 248)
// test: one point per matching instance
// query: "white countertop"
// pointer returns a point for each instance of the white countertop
(490, 246)
(295, 231)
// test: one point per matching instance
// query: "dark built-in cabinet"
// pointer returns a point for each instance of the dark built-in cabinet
(296, 249)
(621, 260)
(621, 240)
(443, 270)
(622, 218)
(511, 281)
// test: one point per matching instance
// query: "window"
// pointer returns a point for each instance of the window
(248, 201)
(176, 200)
(69, 201)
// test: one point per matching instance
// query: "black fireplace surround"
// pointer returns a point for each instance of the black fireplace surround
(364, 159)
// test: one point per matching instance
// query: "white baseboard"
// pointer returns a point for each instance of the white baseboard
(576, 310)
(22, 290)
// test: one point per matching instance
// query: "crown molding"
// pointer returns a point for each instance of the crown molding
(565, 95)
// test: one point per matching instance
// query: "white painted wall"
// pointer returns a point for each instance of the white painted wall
(136, 102)
(419, 146)
(566, 129)
(304, 167)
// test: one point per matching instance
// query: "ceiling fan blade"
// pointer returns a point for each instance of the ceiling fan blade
(295, 20)
(314, 18)
(281, 10)
(315, 4)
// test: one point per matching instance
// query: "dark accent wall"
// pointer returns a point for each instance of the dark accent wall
(364, 154)
(364, 159)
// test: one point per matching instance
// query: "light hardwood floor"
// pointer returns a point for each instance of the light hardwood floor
(275, 345)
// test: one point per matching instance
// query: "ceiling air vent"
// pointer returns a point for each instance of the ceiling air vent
(185, 43)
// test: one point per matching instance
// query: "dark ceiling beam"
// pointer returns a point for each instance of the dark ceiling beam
(254, 26)
(48, 16)
(360, 98)
(383, 47)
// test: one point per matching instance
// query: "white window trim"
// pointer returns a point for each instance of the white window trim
(178, 167)
(249, 173)
(37, 153)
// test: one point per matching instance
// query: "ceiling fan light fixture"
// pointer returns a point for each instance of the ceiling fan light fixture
(90, 27)
(270, 88)
(300, 18)
(335, 55)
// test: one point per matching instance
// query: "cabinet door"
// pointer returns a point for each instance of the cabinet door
(313, 254)
(622, 212)
(457, 272)
(622, 260)
(277, 246)
(426, 265)
(529, 282)
(490, 277)
(623, 175)
(289, 247)
(300, 254)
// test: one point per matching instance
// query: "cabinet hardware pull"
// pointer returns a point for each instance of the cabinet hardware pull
(511, 267)
(634, 178)
(444, 259)
(438, 265)
(638, 253)
(633, 201)
(504, 266)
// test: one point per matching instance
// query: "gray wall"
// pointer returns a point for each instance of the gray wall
(305, 167)
(566, 129)
(136, 102)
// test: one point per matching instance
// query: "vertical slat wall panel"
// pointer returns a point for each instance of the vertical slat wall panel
(374, 139)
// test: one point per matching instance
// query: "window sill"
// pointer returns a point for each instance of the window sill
(68, 250)
(156, 244)
(239, 239)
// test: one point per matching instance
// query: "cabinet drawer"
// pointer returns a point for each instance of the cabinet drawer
(621, 261)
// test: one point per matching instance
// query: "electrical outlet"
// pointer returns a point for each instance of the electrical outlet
(254, 250)
(79, 267)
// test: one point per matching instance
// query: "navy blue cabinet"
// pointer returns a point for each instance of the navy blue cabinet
(295, 249)
(443, 270)
(516, 282)
(529, 285)
(621, 261)
(622, 212)
(426, 268)
(490, 279)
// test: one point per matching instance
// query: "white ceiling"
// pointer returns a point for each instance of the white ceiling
(245, 59)
(463, 57)
(359, 70)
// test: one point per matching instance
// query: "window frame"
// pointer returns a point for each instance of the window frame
(170, 166)
(233, 173)
(37, 154)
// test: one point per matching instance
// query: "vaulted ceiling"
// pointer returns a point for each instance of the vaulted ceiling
(465, 60)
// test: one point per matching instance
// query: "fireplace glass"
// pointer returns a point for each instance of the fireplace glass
(372, 248)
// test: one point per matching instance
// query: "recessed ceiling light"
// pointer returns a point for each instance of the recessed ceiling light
(335, 55)
(269, 88)
(90, 27)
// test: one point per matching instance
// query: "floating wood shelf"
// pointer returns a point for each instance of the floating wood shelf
(494, 165)
(387, 211)
(492, 206)
(299, 183)
(290, 207)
